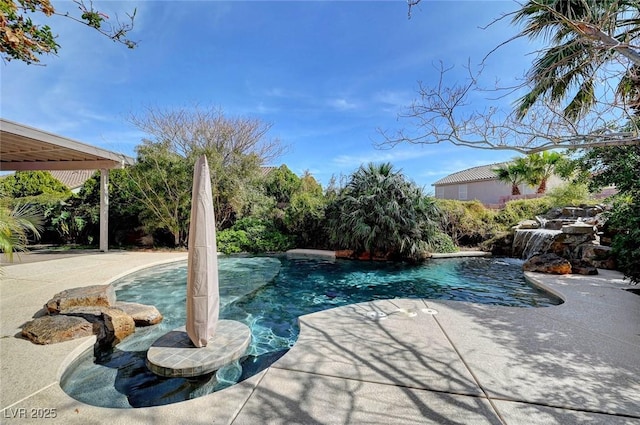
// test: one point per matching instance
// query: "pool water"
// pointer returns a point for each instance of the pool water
(269, 294)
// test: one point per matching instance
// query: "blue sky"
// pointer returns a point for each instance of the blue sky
(325, 74)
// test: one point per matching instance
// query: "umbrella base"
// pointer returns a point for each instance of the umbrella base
(174, 355)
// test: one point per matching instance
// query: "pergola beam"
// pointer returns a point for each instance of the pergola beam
(56, 165)
(25, 148)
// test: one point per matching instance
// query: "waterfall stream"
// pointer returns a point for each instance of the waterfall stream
(529, 242)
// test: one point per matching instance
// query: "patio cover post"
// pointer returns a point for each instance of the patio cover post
(104, 210)
(27, 148)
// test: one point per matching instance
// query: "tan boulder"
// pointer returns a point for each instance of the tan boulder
(53, 329)
(578, 228)
(114, 324)
(547, 263)
(528, 224)
(599, 256)
(96, 295)
(345, 253)
(142, 314)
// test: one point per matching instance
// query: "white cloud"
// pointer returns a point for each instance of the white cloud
(398, 99)
(393, 156)
(342, 104)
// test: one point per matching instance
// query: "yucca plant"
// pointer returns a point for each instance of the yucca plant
(380, 211)
(16, 225)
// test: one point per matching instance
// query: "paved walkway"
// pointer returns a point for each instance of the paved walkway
(577, 363)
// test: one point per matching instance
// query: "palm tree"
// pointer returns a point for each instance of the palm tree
(514, 173)
(572, 67)
(379, 211)
(15, 226)
(540, 167)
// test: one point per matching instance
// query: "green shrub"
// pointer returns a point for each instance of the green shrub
(522, 209)
(625, 218)
(32, 183)
(304, 217)
(253, 235)
(570, 194)
(440, 242)
(232, 241)
(466, 222)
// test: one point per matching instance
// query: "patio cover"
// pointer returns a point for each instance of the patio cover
(27, 148)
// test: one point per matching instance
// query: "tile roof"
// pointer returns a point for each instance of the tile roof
(480, 173)
(266, 170)
(73, 179)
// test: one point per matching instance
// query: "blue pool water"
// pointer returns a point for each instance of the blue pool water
(269, 294)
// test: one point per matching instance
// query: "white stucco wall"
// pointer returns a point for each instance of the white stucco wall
(488, 192)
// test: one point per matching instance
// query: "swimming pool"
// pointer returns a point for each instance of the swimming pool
(269, 294)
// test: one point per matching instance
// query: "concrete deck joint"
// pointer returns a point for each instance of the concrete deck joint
(475, 378)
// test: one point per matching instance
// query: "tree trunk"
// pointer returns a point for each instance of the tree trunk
(515, 190)
(543, 186)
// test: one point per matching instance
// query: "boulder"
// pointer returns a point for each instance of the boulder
(582, 267)
(114, 325)
(553, 213)
(364, 256)
(599, 256)
(500, 245)
(528, 224)
(565, 243)
(53, 329)
(597, 220)
(593, 211)
(556, 223)
(96, 295)
(573, 212)
(547, 263)
(578, 228)
(345, 253)
(143, 315)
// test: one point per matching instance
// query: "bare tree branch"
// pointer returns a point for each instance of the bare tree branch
(595, 113)
(447, 114)
(198, 129)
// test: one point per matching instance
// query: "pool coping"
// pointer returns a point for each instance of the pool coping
(464, 330)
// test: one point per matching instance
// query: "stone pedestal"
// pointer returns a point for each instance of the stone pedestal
(174, 355)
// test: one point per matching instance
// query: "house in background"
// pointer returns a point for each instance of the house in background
(482, 184)
(73, 179)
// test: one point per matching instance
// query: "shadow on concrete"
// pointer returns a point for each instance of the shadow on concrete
(385, 374)
(561, 368)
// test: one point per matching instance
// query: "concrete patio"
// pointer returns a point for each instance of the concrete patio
(577, 363)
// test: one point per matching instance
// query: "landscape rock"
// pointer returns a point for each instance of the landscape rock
(96, 295)
(573, 212)
(578, 228)
(363, 256)
(53, 329)
(345, 253)
(599, 256)
(143, 315)
(114, 325)
(553, 213)
(556, 223)
(528, 224)
(547, 263)
(597, 220)
(499, 245)
(594, 211)
(582, 267)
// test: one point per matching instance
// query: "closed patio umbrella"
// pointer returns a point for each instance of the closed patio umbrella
(203, 299)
